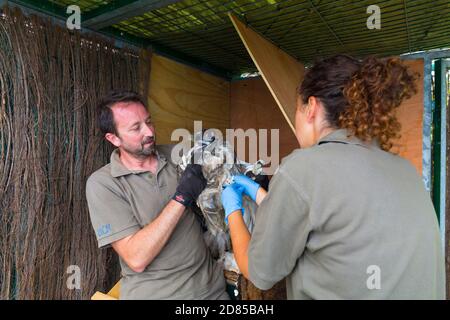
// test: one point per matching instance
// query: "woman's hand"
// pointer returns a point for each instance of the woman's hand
(240, 237)
(232, 200)
(249, 186)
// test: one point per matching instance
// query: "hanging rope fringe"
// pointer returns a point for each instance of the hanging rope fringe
(50, 81)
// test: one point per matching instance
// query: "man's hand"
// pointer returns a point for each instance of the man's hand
(191, 184)
(263, 181)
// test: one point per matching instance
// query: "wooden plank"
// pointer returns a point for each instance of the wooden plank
(112, 294)
(115, 291)
(249, 291)
(180, 95)
(252, 106)
(281, 72)
(101, 296)
(410, 116)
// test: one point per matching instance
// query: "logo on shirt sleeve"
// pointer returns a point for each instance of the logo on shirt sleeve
(104, 230)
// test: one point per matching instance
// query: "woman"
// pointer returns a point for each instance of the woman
(344, 217)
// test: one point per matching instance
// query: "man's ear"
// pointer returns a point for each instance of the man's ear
(115, 140)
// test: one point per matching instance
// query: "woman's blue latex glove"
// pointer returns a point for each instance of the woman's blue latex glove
(232, 199)
(249, 186)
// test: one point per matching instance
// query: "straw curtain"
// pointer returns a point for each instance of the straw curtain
(50, 82)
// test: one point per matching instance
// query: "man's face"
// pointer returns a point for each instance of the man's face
(135, 131)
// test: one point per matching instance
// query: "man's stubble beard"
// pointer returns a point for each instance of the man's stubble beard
(144, 152)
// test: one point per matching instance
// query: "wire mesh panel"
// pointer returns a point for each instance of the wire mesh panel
(307, 29)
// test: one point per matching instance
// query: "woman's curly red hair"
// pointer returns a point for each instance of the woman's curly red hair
(373, 94)
(361, 97)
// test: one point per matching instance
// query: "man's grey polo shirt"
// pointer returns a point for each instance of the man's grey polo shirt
(121, 202)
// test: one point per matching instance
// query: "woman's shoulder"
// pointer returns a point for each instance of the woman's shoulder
(304, 156)
(298, 163)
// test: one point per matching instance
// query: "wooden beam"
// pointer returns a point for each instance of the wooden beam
(108, 15)
(281, 72)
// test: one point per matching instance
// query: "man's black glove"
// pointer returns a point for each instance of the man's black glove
(263, 181)
(191, 184)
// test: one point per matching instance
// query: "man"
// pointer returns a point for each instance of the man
(136, 207)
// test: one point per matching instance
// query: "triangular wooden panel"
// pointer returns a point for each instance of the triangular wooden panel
(281, 72)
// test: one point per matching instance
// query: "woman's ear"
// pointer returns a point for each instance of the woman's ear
(312, 109)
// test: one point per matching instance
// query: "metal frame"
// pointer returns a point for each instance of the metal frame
(440, 154)
(428, 58)
(117, 11)
(434, 170)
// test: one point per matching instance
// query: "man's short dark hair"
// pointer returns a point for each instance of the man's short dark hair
(104, 113)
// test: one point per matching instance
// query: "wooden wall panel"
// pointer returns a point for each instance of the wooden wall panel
(252, 106)
(180, 94)
(410, 115)
(281, 72)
